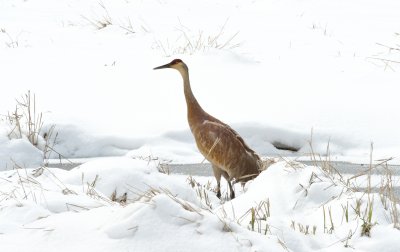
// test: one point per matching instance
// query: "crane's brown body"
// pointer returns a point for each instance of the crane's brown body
(218, 142)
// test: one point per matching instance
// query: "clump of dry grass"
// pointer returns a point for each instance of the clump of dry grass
(11, 41)
(148, 195)
(363, 205)
(26, 186)
(390, 201)
(259, 215)
(202, 191)
(103, 19)
(26, 122)
(121, 199)
(304, 229)
(390, 56)
(190, 43)
(163, 166)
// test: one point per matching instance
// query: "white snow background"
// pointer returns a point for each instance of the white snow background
(274, 70)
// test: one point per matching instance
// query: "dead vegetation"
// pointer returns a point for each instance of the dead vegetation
(189, 42)
(102, 19)
(26, 122)
(11, 41)
(362, 197)
(389, 57)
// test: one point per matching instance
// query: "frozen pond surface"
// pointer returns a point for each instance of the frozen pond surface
(343, 167)
(204, 169)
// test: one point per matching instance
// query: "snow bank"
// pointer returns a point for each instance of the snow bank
(289, 198)
(127, 175)
(74, 142)
(180, 147)
(17, 152)
(295, 208)
(72, 210)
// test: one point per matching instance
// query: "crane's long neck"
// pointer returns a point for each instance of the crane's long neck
(194, 110)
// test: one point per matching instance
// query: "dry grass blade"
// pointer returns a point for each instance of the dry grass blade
(147, 196)
(217, 140)
(73, 207)
(186, 205)
(283, 244)
(391, 48)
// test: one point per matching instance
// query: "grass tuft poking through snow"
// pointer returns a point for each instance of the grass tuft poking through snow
(25, 121)
(189, 42)
(25, 126)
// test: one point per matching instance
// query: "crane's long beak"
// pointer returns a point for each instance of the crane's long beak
(163, 66)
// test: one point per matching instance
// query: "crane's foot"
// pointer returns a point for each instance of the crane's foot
(219, 194)
(232, 194)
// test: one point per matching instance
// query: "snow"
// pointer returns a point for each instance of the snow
(18, 152)
(308, 70)
(73, 210)
(47, 209)
(300, 73)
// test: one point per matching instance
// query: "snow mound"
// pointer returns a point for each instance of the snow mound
(306, 208)
(18, 152)
(126, 175)
(187, 227)
(74, 142)
(72, 210)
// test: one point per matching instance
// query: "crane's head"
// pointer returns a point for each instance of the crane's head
(176, 64)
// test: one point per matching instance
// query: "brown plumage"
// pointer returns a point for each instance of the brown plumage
(227, 152)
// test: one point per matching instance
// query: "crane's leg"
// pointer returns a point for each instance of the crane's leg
(217, 174)
(226, 176)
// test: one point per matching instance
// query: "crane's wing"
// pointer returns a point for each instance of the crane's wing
(219, 126)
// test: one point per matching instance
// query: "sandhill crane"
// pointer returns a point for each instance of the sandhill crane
(227, 152)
